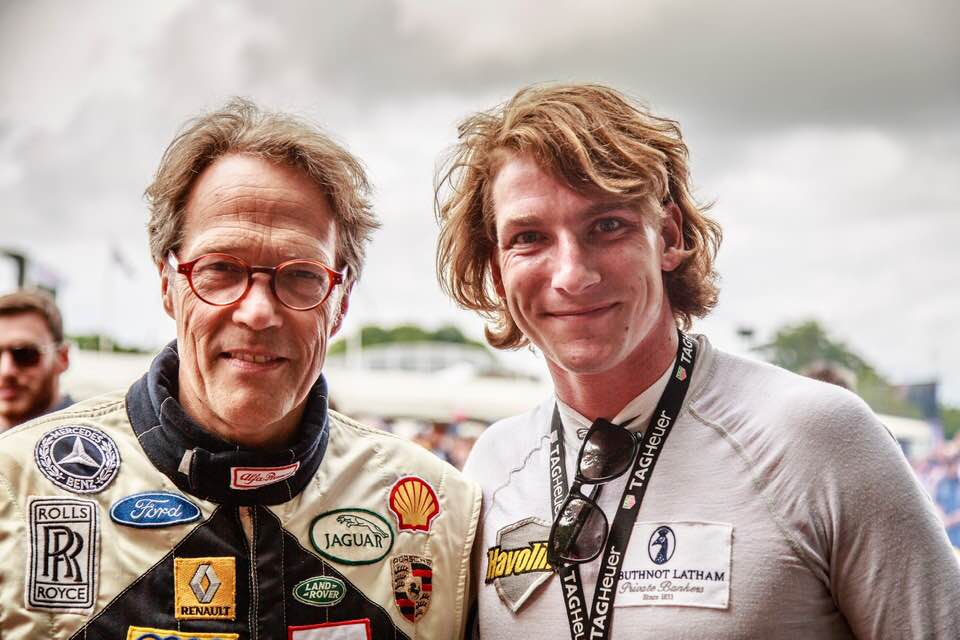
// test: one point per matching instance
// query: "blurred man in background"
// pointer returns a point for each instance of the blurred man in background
(219, 496)
(779, 508)
(32, 357)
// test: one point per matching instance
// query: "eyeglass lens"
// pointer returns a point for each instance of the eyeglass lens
(221, 279)
(607, 451)
(28, 356)
(579, 532)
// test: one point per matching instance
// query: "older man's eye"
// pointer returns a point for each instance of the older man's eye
(525, 237)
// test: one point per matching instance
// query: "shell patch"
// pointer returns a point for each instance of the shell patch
(414, 503)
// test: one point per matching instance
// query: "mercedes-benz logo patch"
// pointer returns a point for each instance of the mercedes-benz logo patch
(78, 458)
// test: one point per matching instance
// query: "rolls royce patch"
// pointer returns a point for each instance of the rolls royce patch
(64, 550)
(412, 585)
(77, 458)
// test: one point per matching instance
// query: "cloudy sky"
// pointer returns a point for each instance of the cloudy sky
(828, 134)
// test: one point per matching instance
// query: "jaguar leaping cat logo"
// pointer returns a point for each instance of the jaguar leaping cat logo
(350, 521)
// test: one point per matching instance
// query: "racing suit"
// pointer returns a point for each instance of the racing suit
(121, 518)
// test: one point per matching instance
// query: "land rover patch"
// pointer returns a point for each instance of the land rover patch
(78, 458)
(351, 536)
(149, 633)
(412, 585)
(64, 551)
(346, 630)
(517, 565)
(205, 588)
(320, 591)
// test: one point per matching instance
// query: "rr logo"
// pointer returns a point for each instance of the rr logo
(61, 546)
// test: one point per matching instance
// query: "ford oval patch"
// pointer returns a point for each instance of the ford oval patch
(153, 509)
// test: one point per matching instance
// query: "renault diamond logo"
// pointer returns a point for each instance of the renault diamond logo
(205, 594)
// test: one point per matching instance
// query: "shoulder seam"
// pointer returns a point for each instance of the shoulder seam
(780, 523)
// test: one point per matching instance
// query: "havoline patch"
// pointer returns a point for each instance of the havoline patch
(351, 536)
(518, 565)
(64, 551)
(78, 458)
(149, 633)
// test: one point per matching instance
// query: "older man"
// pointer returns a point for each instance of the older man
(712, 497)
(219, 497)
(32, 357)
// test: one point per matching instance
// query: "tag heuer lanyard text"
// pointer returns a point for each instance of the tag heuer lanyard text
(597, 626)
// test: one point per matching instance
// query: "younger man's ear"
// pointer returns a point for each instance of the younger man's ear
(671, 234)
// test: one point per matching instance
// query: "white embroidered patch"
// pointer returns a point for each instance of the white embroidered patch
(678, 564)
(255, 477)
(62, 564)
(347, 630)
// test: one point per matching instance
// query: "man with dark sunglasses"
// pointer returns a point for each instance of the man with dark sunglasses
(32, 357)
(219, 497)
(668, 489)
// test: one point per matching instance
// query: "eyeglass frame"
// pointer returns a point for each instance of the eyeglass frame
(41, 349)
(575, 493)
(186, 269)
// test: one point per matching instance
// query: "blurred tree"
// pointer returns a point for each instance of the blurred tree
(799, 346)
(97, 342)
(405, 333)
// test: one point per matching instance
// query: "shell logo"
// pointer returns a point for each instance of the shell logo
(414, 502)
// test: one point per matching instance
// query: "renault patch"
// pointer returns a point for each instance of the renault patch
(345, 630)
(351, 536)
(677, 564)
(149, 633)
(412, 585)
(414, 502)
(63, 556)
(153, 509)
(78, 458)
(205, 588)
(517, 565)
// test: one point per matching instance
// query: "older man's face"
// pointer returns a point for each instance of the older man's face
(28, 390)
(246, 368)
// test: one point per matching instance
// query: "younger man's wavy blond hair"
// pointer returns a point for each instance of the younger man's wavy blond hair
(598, 142)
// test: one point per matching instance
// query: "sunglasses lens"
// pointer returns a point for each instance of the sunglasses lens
(579, 533)
(25, 356)
(607, 452)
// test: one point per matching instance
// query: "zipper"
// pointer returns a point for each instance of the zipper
(247, 522)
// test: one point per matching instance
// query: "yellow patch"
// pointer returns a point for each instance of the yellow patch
(205, 589)
(149, 633)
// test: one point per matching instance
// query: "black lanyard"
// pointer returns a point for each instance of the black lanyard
(597, 626)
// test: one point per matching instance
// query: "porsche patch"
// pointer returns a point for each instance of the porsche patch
(412, 585)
